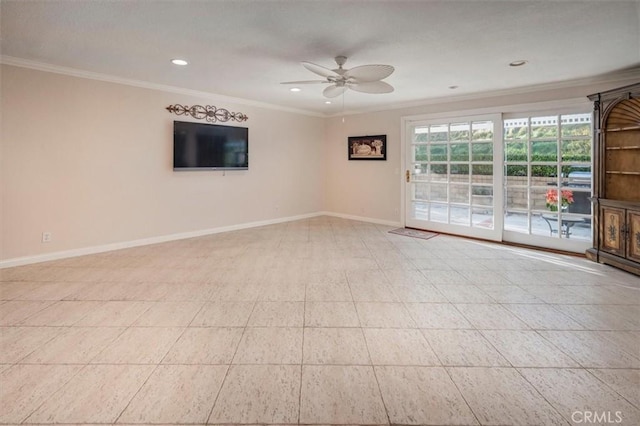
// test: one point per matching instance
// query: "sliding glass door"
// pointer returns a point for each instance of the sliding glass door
(523, 178)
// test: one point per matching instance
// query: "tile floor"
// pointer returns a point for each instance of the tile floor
(320, 321)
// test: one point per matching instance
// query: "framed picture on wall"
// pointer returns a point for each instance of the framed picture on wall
(367, 147)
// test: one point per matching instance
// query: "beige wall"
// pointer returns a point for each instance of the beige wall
(91, 162)
(373, 189)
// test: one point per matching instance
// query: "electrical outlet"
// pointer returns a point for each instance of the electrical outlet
(46, 237)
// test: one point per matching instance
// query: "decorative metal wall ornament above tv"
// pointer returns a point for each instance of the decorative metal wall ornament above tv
(207, 112)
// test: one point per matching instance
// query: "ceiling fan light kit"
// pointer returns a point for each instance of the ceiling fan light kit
(364, 78)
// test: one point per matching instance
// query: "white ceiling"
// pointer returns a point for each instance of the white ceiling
(244, 49)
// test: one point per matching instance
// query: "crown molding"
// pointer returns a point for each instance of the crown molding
(612, 78)
(620, 77)
(90, 75)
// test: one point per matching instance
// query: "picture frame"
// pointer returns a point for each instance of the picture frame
(367, 147)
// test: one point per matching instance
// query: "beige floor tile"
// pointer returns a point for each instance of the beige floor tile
(76, 345)
(15, 289)
(331, 314)
(552, 293)
(236, 291)
(384, 315)
(115, 314)
(430, 264)
(437, 315)
(176, 394)
(13, 312)
(223, 314)
(524, 348)
(325, 261)
(446, 277)
(62, 313)
(543, 317)
(490, 317)
(186, 292)
(422, 395)
(591, 349)
(407, 277)
(464, 348)
(270, 345)
(628, 341)
(337, 346)
(389, 346)
(604, 317)
(624, 381)
(479, 277)
(101, 291)
(340, 395)
(501, 396)
(169, 314)
(154, 290)
(509, 294)
(373, 292)
(97, 394)
(258, 394)
(328, 292)
(572, 390)
(18, 342)
(464, 294)
(210, 345)
(282, 292)
(140, 345)
(418, 293)
(52, 291)
(25, 387)
(277, 314)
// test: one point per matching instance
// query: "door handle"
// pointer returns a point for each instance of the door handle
(408, 176)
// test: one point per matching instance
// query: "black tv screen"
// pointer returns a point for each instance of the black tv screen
(198, 146)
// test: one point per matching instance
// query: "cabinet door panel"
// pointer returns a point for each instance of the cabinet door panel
(633, 243)
(611, 236)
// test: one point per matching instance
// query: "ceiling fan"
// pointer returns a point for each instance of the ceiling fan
(365, 78)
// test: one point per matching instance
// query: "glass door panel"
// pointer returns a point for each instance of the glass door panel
(451, 184)
(547, 182)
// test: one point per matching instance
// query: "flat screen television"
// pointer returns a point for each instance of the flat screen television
(198, 146)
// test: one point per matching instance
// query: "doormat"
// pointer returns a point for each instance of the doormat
(415, 233)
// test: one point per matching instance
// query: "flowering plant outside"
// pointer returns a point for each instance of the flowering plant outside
(552, 199)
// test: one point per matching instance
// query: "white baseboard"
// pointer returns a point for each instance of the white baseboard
(27, 260)
(362, 219)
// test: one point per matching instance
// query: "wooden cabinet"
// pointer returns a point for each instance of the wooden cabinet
(617, 178)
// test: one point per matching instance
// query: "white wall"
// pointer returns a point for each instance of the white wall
(372, 189)
(91, 162)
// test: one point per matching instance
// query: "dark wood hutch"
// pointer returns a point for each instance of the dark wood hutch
(616, 185)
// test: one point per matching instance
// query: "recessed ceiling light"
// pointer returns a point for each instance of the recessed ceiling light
(179, 62)
(327, 102)
(453, 87)
(295, 89)
(518, 63)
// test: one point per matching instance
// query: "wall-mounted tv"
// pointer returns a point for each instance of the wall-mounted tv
(198, 146)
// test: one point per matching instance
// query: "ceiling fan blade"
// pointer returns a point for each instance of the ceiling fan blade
(320, 70)
(372, 87)
(333, 91)
(306, 82)
(367, 73)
